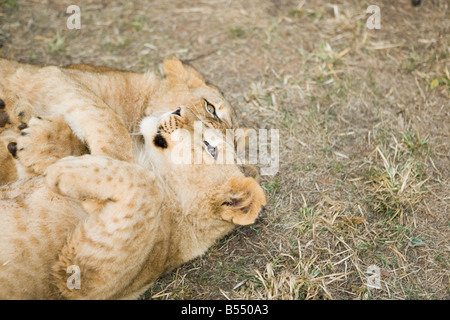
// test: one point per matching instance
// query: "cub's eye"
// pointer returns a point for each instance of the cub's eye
(211, 150)
(210, 108)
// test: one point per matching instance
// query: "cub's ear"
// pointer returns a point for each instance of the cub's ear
(176, 70)
(242, 200)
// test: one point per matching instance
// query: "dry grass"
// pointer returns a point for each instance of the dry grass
(364, 125)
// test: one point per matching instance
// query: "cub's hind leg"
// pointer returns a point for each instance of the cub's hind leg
(111, 246)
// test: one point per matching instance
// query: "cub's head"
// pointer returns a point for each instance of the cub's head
(183, 85)
(200, 168)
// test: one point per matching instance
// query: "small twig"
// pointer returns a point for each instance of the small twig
(200, 56)
(420, 89)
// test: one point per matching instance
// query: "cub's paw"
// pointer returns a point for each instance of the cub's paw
(62, 176)
(101, 178)
(44, 141)
(14, 112)
(85, 177)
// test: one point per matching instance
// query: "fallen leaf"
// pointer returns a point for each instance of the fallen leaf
(434, 84)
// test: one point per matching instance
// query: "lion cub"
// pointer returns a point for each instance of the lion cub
(101, 105)
(120, 225)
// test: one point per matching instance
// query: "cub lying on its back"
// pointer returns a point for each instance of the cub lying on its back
(118, 222)
(102, 105)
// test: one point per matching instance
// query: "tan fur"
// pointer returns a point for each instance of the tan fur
(101, 105)
(123, 224)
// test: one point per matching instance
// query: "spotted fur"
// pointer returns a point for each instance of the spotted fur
(101, 105)
(122, 224)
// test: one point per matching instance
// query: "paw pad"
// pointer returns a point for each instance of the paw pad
(12, 148)
(4, 119)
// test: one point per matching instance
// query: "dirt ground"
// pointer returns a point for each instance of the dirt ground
(364, 122)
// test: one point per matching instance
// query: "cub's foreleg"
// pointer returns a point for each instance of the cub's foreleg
(54, 92)
(111, 245)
